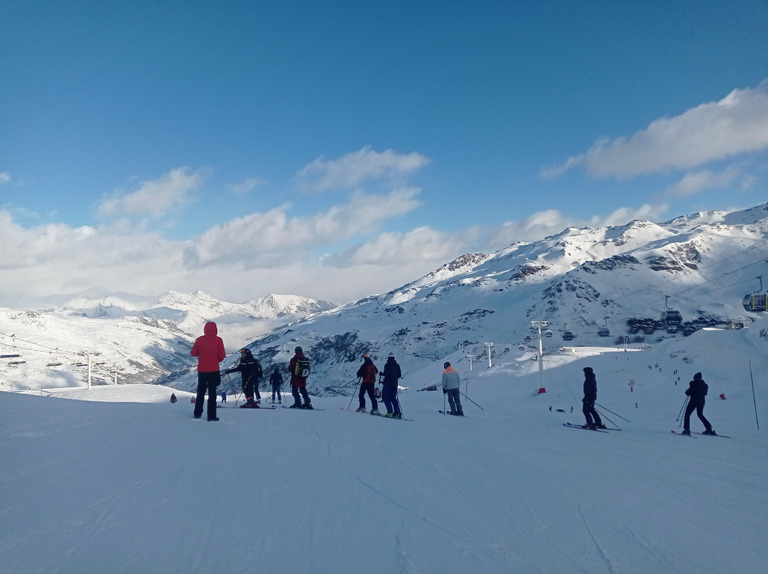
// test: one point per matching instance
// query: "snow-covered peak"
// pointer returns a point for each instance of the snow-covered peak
(275, 306)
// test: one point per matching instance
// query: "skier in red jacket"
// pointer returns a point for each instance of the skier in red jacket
(299, 383)
(209, 350)
(367, 372)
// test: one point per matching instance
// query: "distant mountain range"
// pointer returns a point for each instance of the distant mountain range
(133, 339)
(637, 283)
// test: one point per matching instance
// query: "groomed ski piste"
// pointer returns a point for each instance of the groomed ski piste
(121, 480)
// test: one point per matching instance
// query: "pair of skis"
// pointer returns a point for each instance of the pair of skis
(700, 433)
(582, 427)
(374, 414)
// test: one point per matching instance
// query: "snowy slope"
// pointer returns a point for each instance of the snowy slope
(124, 481)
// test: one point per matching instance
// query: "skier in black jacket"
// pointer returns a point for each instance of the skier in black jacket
(590, 396)
(389, 393)
(697, 390)
(277, 382)
(250, 372)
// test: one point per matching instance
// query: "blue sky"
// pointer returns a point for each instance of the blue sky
(340, 149)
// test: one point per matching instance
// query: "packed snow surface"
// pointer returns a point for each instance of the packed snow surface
(124, 481)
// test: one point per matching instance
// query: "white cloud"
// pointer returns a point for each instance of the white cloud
(551, 221)
(247, 185)
(353, 169)
(154, 198)
(260, 253)
(5, 177)
(420, 244)
(266, 238)
(735, 125)
(695, 182)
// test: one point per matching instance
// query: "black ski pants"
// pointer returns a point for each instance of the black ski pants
(295, 390)
(699, 412)
(454, 400)
(207, 382)
(368, 388)
(591, 414)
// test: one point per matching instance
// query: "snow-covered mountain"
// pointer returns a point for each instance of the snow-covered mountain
(634, 284)
(132, 339)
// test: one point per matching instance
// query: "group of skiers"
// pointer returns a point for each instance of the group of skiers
(366, 376)
(209, 349)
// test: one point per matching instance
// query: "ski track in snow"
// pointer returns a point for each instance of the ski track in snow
(600, 550)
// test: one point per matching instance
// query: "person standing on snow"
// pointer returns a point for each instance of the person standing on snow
(389, 393)
(368, 372)
(209, 350)
(277, 382)
(250, 373)
(298, 382)
(590, 396)
(696, 391)
(452, 388)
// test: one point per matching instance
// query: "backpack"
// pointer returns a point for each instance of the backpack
(302, 368)
(257, 370)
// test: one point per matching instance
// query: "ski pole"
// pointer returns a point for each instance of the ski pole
(754, 401)
(685, 402)
(444, 395)
(610, 411)
(609, 420)
(473, 402)
(349, 406)
(234, 390)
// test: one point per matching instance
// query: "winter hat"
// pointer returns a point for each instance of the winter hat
(391, 355)
(697, 377)
(298, 350)
(446, 365)
(587, 370)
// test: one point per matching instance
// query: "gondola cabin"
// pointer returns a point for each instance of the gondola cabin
(671, 317)
(755, 303)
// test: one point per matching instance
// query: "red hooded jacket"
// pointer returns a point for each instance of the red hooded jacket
(209, 349)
